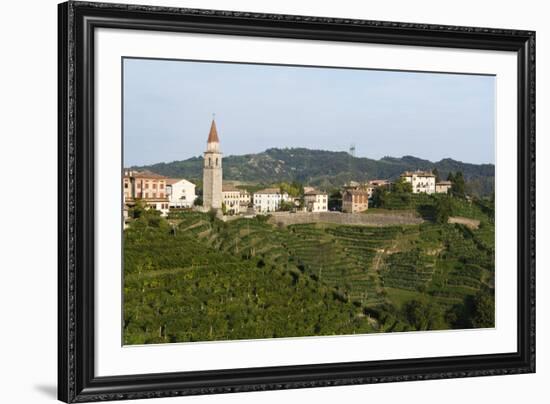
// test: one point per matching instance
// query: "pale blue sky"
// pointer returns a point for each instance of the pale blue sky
(168, 108)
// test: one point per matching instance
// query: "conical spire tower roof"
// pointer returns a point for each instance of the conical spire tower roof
(213, 135)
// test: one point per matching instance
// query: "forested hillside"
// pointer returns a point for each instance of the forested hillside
(326, 169)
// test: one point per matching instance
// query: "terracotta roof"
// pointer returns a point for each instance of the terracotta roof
(213, 135)
(356, 192)
(230, 188)
(418, 173)
(146, 174)
(171, 181)
(379, 182)
(315, 192)
(269, 191)
(352, 184)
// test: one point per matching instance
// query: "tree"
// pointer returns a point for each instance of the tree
(298, 186)
(435, 172)
(212, 213)
(138, 210)
(458, 187)
(293, 189)
(335, 200)
(484, 311)
(443, 209)
(423, 316)
(379, 197)
(198, 201)
(286, 206)
(401, 186)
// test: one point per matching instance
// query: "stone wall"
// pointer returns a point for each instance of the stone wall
(362, 219)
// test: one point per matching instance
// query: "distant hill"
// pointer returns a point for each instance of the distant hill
(325, 169)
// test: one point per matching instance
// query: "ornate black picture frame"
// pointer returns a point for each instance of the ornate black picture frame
(77, 24)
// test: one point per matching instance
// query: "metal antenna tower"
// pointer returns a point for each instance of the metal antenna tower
(352, 157)
(352, 150)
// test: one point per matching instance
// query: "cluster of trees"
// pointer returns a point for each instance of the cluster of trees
(477, 311)
(458, 187)
(400, 191)
(437, 207)
(294, 188)
(423, 314)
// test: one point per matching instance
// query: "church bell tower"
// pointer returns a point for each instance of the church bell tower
(212, 171)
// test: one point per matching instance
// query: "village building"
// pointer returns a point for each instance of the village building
(380, 183)
(181, 193)
(147, 187)
(421, 181)
(245, 199)
(231, 197)
(443, 187)
(269, 200)
(354, 185)
(316, 201)
(355, 200)
(351, 185)
(212, 172)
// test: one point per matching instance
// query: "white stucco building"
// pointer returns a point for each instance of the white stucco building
(269, 200)
(231, 198)
(316, 201)
(421, 181)
(180, 192)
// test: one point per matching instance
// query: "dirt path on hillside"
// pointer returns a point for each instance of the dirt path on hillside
(471, 223)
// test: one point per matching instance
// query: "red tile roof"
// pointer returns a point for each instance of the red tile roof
(418, 173)
(145, 174)
(171, 181)
(269, 191)
(315, 192)
(230, 188)
(356, 192)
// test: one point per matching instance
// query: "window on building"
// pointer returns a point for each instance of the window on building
(126, 185)
(146, 186)
(154, 186)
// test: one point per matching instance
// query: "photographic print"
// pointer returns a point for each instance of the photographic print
(271, 201)
(252, 201)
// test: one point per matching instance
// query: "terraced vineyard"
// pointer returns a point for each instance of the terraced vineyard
(347, 279)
